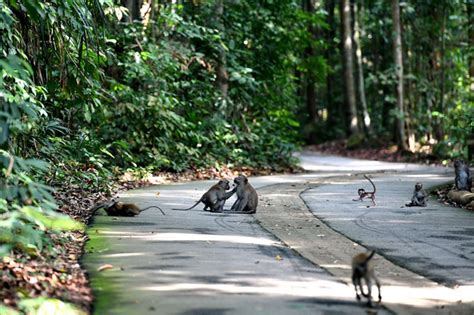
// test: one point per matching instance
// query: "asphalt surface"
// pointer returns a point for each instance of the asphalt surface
(434, 241)
(195, 262)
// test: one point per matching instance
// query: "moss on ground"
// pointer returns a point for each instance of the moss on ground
(103, 284)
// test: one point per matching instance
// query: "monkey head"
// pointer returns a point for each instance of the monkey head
(360, 191)
(458, 163)
(241, 180)
(418, 186)
(224, 183)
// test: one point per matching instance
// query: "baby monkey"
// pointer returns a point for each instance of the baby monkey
(362, 269)
(366, 194)
(419, 197)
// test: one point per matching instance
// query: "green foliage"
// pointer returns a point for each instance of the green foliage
(45, 306)
(26, 205)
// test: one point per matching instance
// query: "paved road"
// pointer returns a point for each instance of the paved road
(201, 263)
(195, 262)
(435, 241)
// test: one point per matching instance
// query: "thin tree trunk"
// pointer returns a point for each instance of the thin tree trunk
(360, 74)
(133, 7)
(348, 63)
(442, 79)
(333, 111)
(222, 77)
(411, 103)
(310, 81)
(398, 60)
(470, 26)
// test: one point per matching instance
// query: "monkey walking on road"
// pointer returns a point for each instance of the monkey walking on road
(362, 269)
(215, 198)
(419, 197)
(120, 209)
(366, 194)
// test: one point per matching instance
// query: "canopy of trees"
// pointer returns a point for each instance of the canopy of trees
(94, 87)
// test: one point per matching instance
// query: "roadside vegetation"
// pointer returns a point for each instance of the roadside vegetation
(95, 94)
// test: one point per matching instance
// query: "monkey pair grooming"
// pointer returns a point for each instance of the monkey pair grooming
(362, 269)
(120, 209)
(366, 194)
(419, 197)
(216, 196)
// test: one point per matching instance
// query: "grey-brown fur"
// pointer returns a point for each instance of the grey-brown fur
(462, 178)
(214, 199)
(362, 268)
(419, 197)
(247, 198)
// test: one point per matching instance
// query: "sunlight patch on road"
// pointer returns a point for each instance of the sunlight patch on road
(262, 286)
(339, 266)
(124, 255)
(192, 237)
(427, 296)
(427, 176)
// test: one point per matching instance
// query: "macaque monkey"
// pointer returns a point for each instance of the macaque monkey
(362, 269)
(419, 197)
(462, 179)
(120, 209)
(215, 197)
(366, 194)
(247, 198)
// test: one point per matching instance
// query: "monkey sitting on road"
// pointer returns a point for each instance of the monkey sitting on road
(419, 197)
(462, 179)
(214, 199)
(247, 198)
(362, 269)
(120, 209)
(366, 194)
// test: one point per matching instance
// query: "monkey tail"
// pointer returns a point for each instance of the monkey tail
(372, 253)
(105, 205)
(189, 207)
(373, 185)
(162, 212)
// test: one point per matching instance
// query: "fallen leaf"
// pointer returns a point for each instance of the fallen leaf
(105, 267)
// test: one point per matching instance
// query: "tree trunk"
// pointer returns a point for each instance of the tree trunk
(442, 79)
(470, 26)
(310, 81)
(398, 60)
(332, 106)
(470, 18)
(133, 7)
(222, 77)
(349, 89)
(360, 74)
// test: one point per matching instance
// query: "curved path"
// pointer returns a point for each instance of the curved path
(195, 262)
